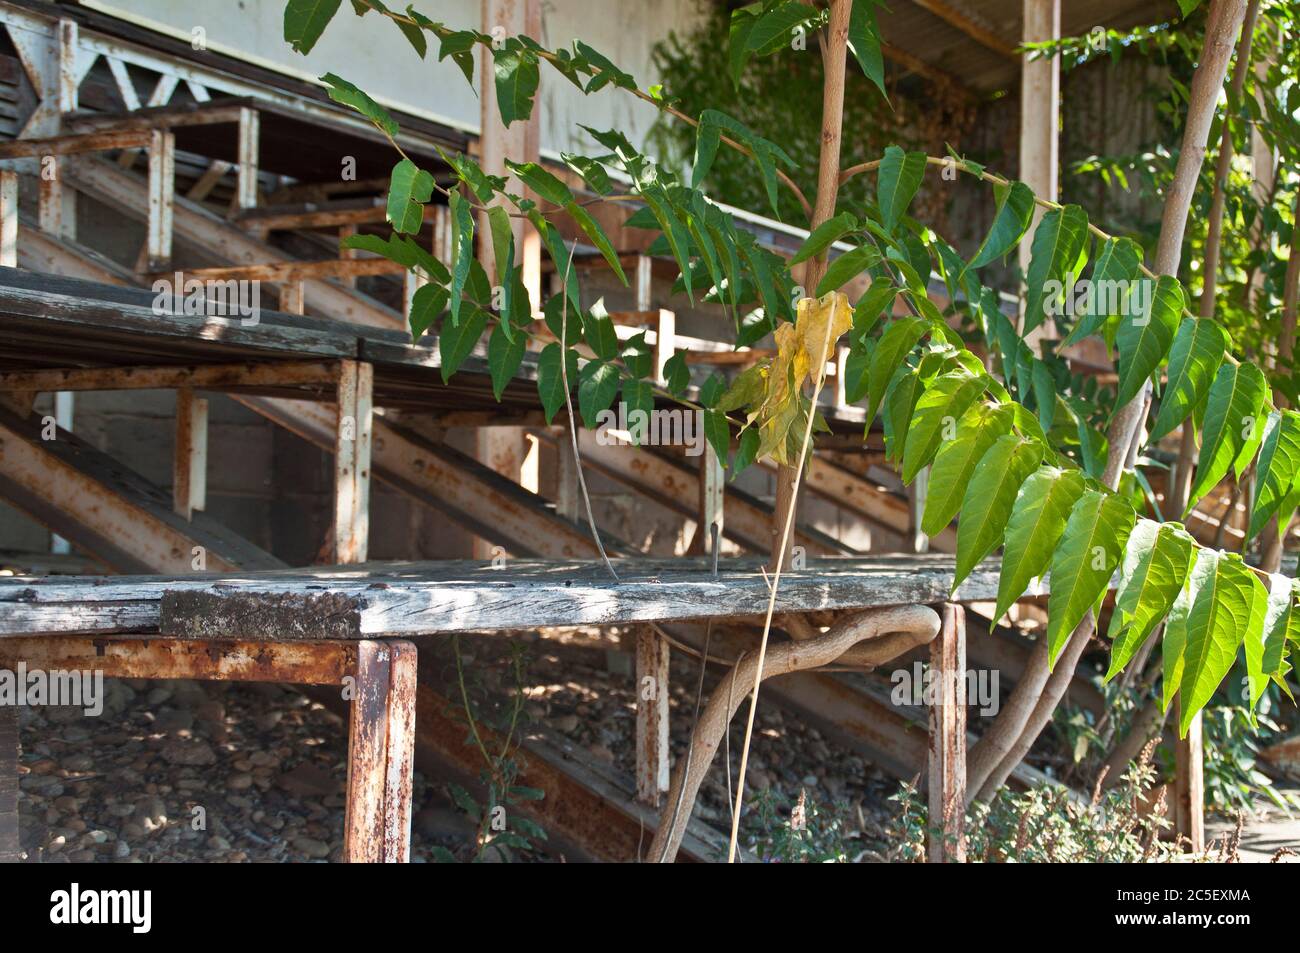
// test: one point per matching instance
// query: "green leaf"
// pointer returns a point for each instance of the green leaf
(1060, 241)
(900, 176)
(542, 182)
(746, 390)
(1218, 623)
(774, 27)
(1157, 559)
(1194, 359)
(306, 20)
(344, 93)
(899, 338)
(956, 460)
(515, 69)
(639, 396)
(900, 403)
(456, 341)
(1083, 563)
(936, 415)
(637, 356)
(597, 387)
(598, 238)
(718, 432)
(503, 241)
(739, 30)
(1014, 212)
(1232, 407)
(990, 497)
(1037, 521)
(878, 300)
(504, 357)
(1279, 467)
(462, 249)
(428, 302)
(598, 331)
(459, 45)
(855, 371)
(864, 42)
(409, 188)
(550, 378)
(1114, 275)
(846, 267)
(1143, 340)
(1281, 624)
(824, 235)
(402, 250)
(592, 172)
(1174, 644)
(677, 375)
(746, 451)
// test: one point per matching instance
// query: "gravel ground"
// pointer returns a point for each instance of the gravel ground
(189, 771)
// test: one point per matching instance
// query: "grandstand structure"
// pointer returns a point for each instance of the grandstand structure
(133, 161)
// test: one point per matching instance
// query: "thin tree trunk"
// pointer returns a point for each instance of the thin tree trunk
(834, 58)
(1011, 735)
(1271, 542)
(1180, 483)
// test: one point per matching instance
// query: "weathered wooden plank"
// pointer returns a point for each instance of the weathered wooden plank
(459, 596)
(249, 374)
(539, 594)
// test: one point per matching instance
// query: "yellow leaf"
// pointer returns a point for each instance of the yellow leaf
(820, 322)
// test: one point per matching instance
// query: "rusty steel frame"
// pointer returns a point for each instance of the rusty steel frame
(947, 757)
(381, 721)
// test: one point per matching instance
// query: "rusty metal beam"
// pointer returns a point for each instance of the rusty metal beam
(75, 144)
(295, 663)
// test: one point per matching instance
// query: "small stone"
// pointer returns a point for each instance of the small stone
(158, 695)
(315, 849)
(565, 723)
(307, 780)
(438, 823)
(183, 752)
(211, 711)
(240, 782)
(174, 720)
(122, 850)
